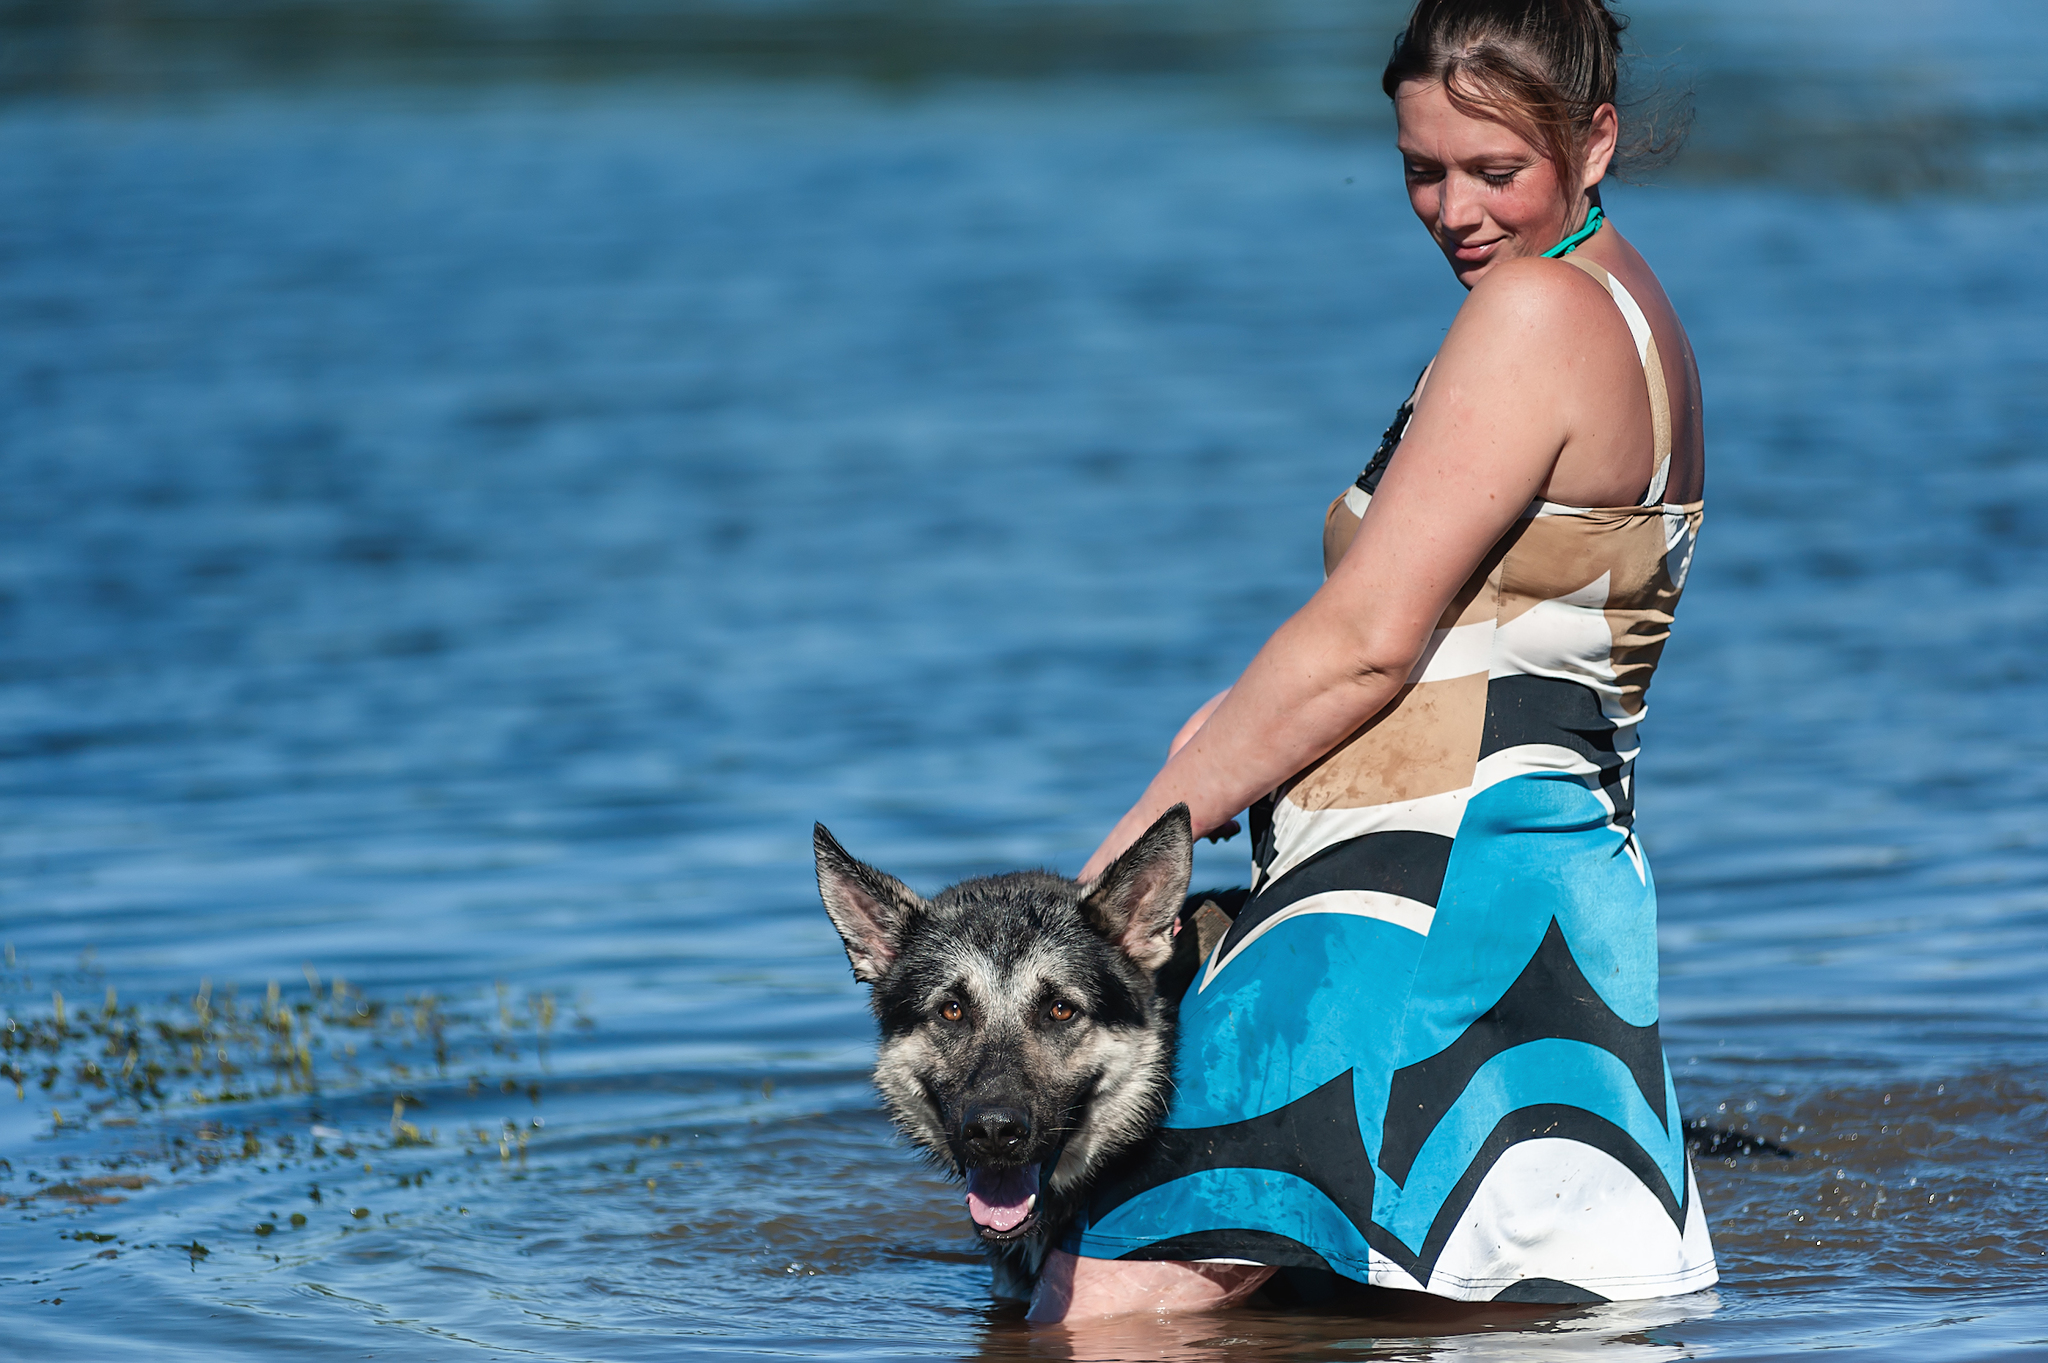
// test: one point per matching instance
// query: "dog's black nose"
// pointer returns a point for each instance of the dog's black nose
(996, 1132)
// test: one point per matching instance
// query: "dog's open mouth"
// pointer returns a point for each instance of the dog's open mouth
(1003, 1202)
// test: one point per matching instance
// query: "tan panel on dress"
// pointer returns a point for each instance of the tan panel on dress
(1425, 743)
(1640, 621)
(1554, 556)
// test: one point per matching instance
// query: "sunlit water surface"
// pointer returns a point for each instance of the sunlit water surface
(455, 544)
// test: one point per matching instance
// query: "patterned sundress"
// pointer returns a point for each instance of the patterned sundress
(1425, 1054)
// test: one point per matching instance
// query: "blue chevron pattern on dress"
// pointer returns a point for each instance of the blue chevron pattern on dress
(1283, 1070)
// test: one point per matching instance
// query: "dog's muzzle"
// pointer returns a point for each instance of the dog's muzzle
(1002, 1193)
(1003, 1202)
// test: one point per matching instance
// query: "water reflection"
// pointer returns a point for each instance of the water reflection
(1369, 1326)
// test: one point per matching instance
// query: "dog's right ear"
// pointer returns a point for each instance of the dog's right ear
(867, 906)
(1136, 899)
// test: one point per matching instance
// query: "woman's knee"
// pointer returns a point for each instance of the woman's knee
(1073, 1287)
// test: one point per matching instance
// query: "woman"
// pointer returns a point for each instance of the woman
(1425, 1056)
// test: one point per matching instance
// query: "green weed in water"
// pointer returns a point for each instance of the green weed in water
(106, 1064)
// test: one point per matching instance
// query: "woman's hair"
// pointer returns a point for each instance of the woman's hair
(1539, 67)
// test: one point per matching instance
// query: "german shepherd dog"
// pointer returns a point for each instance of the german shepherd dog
(1027, 1023)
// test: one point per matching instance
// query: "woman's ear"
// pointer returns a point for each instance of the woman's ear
(1601, 141)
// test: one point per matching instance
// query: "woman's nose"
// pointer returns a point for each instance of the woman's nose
(1458, 205)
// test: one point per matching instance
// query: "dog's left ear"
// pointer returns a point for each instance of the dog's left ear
(1135, 900)
(869, 907)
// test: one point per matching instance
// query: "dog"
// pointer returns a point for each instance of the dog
(1027, 1022)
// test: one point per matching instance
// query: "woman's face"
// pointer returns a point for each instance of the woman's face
(1483, 193)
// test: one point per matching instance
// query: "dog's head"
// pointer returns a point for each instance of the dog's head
(1023, 1036)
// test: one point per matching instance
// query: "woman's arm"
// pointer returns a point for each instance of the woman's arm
(1480, 447)
(1229, 828)
(1196, 721)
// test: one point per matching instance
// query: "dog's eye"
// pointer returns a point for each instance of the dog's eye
(1061, 1011)
(950, 1011)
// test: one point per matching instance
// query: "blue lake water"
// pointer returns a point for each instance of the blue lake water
(459, 533)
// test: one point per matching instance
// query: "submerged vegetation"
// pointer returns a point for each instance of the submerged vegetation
(108, 1060)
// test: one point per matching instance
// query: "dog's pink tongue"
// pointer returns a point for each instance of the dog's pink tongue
(1001, 1198)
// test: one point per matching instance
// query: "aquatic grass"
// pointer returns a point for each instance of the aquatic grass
(219, 1079)
(110, 1063)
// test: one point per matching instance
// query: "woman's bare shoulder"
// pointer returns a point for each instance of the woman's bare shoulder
(1533, 319)
(1536, 291)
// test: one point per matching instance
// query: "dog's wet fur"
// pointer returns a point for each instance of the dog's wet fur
(1027, 1023)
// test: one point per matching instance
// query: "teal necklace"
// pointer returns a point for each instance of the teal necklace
(1578, 238)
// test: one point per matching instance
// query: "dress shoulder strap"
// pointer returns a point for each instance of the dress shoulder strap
(1653, 372)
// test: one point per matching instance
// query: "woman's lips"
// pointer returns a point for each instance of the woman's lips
(1479, 251)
